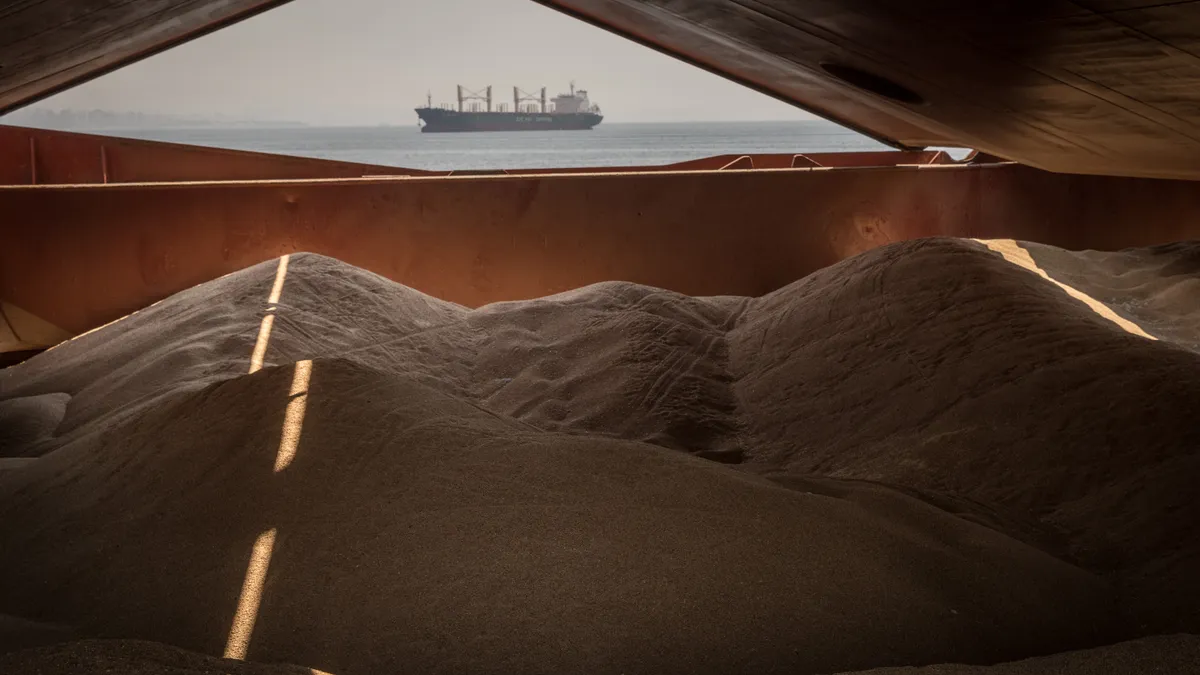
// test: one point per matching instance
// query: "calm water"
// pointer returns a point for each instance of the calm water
(606, 145)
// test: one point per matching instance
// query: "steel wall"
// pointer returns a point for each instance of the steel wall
(45, 157)
(81, 256)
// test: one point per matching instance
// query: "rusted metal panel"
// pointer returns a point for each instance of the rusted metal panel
(81, 256)
(59, 157)
(47, 157)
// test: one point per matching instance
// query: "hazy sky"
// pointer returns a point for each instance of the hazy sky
(372, 61)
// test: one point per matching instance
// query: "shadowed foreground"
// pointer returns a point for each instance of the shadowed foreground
(925, 454)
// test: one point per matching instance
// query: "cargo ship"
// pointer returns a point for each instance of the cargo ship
(475, 112)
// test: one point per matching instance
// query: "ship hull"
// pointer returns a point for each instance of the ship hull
(440, 120)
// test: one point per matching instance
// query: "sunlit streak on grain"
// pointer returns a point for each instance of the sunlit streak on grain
(268, 320)
(280, 275)
(247, 610)
(293, 419)
(260, 345)
(238, 643)
(260, 558)
(1017, 255)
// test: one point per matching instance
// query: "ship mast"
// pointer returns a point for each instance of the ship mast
(519, 96)
(468, 95)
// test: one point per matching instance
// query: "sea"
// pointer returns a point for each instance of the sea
(610, 144)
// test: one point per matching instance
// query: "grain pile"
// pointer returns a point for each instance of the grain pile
(922, 455)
